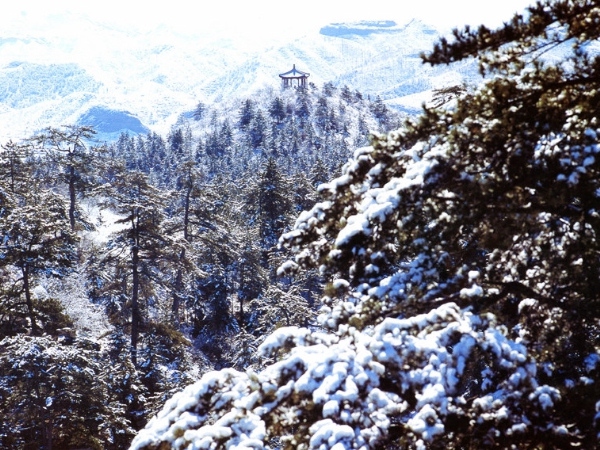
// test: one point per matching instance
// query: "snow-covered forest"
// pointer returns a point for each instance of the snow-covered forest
(130, 269)
(267, 277)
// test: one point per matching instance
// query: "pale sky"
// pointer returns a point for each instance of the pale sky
(267, 18)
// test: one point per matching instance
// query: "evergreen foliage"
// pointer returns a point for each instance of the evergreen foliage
(15, 167)
(461, 254)
(128, 269)
(70, 161)
(54, 395)
(36, 240)
(139, 248)
(268, 204)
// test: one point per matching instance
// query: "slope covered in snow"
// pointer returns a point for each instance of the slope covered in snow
(75, 69)
(375, 58)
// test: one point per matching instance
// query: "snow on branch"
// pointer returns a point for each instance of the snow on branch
(339, 390)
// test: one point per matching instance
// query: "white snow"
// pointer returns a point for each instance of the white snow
(158, 75)
(341, 373)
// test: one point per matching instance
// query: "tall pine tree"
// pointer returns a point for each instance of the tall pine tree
(462, 255)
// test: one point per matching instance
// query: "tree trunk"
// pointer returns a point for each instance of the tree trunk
(48, 430)
(186, 215)
(72, 198)
(29, 301)
(177, 294)
(135, 309)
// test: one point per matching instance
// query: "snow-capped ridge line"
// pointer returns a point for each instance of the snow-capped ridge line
(52, 79)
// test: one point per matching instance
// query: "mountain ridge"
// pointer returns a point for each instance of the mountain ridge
(156, 77)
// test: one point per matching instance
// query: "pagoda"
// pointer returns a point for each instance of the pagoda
(294, 74)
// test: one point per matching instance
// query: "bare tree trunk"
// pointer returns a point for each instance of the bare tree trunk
(49, 426)
(177, 294)
(72, 197)
(186, 214)
(135, 308)
(29, 300)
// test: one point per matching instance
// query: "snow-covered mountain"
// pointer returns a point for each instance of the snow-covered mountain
(77, 70)
(376, 58)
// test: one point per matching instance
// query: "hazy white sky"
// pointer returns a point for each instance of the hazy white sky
(266, 18)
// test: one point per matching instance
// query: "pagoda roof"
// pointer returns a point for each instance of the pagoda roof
(294, 73)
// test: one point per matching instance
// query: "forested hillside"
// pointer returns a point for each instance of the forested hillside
(144, 80)
(265, 276)
(129, 269)
(461, 256)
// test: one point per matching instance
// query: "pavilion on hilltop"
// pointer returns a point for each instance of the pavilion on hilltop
(294, 74)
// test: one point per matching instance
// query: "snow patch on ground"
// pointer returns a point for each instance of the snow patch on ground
(105, 222)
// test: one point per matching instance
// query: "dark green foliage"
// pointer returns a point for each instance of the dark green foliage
(53, 395)
(382, 114)
(462, 256)
(225, 136)
(176, 143)
(499, 192)
(329, 89)
(70, 161)
(257, 131)
(36, 239)
(268, 204)
(321, 113)
(15, 169)
(246, 114)
(126, 391)
(346, 94)
(303, 105)
(186, 278)
(141, 246)
(163, 362)
(277, 110)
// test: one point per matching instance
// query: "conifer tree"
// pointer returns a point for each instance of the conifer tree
(15, 167)
(176, 142)
(53, 395)
(69, 154)
(225, 135)
(462, 258)
(246, 114)
(138, 249)
(258, 131)
(36, 239)
(321, 114)
(303, 105)
(191, 221)
(277, 110)
(269, 204)
(200, 111)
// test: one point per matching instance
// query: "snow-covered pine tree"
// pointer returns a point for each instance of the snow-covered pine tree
(246, 114)
(136, 251)
(70, 160)
(36, 240)
(268, 204)
(55, 394)
(277, 110)
(15, 167)
(462, 254)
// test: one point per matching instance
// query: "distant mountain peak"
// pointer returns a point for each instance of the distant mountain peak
(374, 24)
(109, 123)
(144, 81)
(361, 28)
(370, 27)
